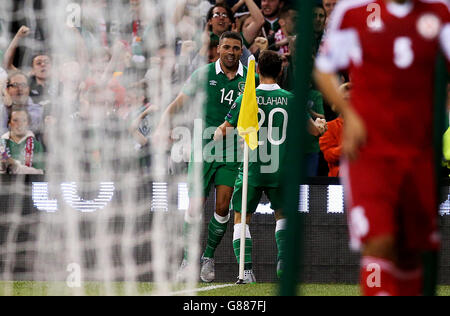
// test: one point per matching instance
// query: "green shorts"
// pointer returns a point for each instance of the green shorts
(219, 173)
(254, 196)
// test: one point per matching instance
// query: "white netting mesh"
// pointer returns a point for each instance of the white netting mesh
(110, 208)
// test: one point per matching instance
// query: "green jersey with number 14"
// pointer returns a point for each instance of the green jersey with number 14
(264, 162)
(220, 93)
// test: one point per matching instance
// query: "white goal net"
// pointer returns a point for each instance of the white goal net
(106, 217)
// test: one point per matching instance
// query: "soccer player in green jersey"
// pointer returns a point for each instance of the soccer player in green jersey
(274, 106)
(222, 82)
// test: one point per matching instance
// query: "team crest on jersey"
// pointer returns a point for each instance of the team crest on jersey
(212, 82)
(428, 26)
(241, 86)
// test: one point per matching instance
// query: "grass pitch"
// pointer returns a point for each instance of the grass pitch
(27, 288)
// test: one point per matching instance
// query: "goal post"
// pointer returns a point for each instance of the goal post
(431, 259)
(295, 151)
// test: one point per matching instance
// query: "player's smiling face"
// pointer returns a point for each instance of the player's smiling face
(230, 51)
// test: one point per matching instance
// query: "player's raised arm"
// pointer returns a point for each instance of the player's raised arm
(174, 107)
(193, 84)
(162, 130)
(221, 131)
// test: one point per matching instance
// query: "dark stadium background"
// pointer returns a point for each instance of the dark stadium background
(327, 258)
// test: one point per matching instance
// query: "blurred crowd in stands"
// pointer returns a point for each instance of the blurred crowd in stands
(116, 64)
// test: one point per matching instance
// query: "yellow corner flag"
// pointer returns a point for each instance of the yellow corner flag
(446, 144)
(248, 115)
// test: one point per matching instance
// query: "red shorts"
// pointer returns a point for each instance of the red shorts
(392, 196)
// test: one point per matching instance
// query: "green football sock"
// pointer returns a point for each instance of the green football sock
(279, 239)
(216, 231)
(280, 236)
(190, 226)
(187, 228)
(248, 247)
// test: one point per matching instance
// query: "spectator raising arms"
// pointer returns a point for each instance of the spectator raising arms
(254, 22)
(40, 68)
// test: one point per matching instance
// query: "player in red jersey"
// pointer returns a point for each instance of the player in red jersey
(390, 48)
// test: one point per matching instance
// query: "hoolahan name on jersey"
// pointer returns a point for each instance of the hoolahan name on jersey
(272, 100)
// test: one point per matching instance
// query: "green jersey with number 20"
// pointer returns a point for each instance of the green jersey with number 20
(273, 114)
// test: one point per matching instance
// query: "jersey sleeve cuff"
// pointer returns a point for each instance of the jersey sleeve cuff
(229, 119)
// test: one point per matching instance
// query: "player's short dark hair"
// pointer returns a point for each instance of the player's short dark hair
(232, 35)
(269, 64)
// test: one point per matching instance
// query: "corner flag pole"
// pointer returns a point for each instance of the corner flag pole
(248, 129)
(243, 214)
(430, 259)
